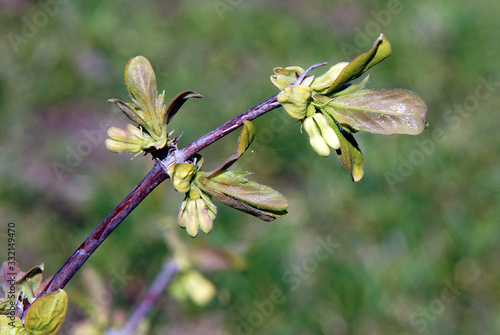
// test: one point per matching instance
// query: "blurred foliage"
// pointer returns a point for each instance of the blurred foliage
(417, 254)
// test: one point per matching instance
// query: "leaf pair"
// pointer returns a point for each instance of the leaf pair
(229, 187)
(234, 190)
(148, 111)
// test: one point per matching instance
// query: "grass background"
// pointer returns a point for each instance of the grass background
(417, 240)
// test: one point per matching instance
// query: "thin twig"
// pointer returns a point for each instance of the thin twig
(167, 273)
(75, 262)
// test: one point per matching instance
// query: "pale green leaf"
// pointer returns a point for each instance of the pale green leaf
(285, 76)
(246, 137)
(385, 112)
(380, 51)
(349, 153)
(141, 83)
(47, 314)
(132, 112)
(234, 190)
(11, 327)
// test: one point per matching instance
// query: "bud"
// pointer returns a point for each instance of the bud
(204, 220)
(311, 110)
(120, 147)
(327, 79)
(190, 218)
(134, 131)
(182, 174)
(327, 131)
(317, 142)
(295, 100)
(285, 76)
(118, 134)
(198, 288)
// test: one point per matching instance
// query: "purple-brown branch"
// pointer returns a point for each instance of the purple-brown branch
(157, 175)
(75, 262)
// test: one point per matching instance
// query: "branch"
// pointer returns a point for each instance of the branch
(153, 295)
(157, 175)
(75, 262)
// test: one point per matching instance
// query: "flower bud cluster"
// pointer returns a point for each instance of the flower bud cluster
(197, 212)
(321, 135)
(300, 102)
(332, 108)
(182, 175)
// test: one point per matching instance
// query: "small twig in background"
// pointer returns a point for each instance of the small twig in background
(167, 273)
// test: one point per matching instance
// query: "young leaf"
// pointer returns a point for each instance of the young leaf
(385, 112)
(349, 153)
(285, 76)
(28, 282)
(141, 84)
(380, 51)
(234, 190)
(246, 138)
(47, 314)
(11, 327)
(132, 112)
(176, 104)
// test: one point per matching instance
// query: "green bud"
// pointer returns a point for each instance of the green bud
(191, 218)
(197, 211)
(182, 174)
(295, 100)
(118, 134)
(327, 79)
(134, 131)
(204, 220)
(327, 131)
(317, 142)
(311, 110)
(120, 147)
(190, 284)
(285, 76)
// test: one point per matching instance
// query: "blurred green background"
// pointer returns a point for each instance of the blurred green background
(414, 247)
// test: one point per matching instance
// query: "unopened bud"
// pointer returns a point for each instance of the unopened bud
(326, 80)
(317, 142)
(118, 134)
(133, 130)
(191, 220)
(327, 131)
(211, 208)
(182, 175)
(295, 100)
(204, 220)
(116, 146)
